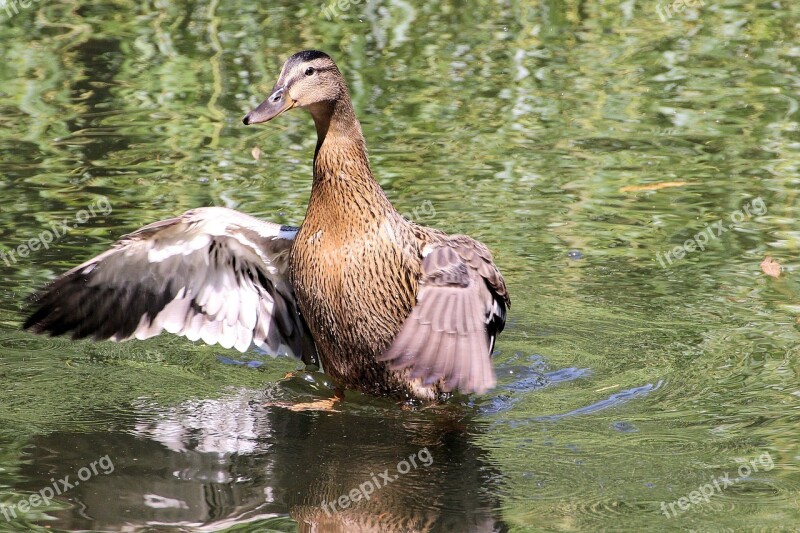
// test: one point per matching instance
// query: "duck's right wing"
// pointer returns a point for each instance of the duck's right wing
(461, 308)
(211, 274)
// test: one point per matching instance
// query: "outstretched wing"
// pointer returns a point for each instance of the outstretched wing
(461, 307)
(212, 273)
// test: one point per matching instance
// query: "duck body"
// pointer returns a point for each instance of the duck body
(354, 265)
(388, 307)
(354, 289)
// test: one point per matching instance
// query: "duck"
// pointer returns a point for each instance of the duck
(385, 306)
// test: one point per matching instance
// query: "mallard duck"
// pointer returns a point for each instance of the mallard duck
(386, 306)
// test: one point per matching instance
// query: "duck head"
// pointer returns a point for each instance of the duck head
(309, 79)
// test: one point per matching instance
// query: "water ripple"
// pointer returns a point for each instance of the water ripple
(613, 400)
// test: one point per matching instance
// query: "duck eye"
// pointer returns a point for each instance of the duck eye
(310, 71)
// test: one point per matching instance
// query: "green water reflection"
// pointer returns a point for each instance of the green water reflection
(530, 125)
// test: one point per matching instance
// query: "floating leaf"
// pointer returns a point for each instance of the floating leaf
(316, 405)
(771, 267)
(653, 186)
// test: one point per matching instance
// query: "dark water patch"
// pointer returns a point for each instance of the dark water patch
(214, 463)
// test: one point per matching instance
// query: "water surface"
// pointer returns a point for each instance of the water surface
(581, 141)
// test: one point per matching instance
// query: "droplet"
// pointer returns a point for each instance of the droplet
(624, 427)
(575, 255)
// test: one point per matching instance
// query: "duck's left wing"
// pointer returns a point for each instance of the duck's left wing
(461, 307)
(213, 274)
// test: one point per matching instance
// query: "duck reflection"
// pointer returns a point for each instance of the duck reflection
(210, 464)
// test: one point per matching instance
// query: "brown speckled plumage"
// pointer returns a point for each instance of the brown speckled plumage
(391, 307)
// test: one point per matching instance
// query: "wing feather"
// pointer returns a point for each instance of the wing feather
(212, 273)
(461, 306)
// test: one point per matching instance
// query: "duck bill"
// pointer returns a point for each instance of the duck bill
(278, 102)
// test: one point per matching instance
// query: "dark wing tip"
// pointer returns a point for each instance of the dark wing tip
(72, 305)
(42, 308)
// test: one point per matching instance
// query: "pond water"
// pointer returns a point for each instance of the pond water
(630, 164)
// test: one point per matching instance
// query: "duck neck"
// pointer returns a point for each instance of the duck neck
(343, 181)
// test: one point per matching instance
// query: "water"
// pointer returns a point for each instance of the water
(582, 142)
